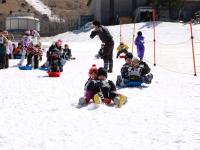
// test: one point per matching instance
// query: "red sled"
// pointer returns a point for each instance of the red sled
(121, 56)
(54, 74)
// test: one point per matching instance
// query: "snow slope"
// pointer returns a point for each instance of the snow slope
(42, 8)
(37, 112)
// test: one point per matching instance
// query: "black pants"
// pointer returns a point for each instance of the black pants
(36, 61)
(2, 61)
(6, 61)
(55, 65)
(108, 56)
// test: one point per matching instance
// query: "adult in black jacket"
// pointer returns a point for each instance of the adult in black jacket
(106, 38)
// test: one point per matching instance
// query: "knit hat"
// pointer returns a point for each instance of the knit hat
(92, 69)
(27, 32)
(128, 55)
(102, 72)
(59, 43)
(96, 23)
(5, 33)
(139, 33)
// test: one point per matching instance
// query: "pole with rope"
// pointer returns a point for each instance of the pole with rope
(133, 37)
(154, 35)
(120, 32)
(193, 54)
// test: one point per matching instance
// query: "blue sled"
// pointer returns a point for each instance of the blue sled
(134, 84)
(18, 56)
(43, 68)
(25, 67)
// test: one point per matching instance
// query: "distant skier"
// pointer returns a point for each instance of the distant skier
(139, 42)
(106, 38)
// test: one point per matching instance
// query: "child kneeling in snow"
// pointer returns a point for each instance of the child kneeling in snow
(100, 52)
(66, 55)
(89, 86)
(105, 90)
(54, 57)
(134, 71)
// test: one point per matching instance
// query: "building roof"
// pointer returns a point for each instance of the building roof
(89, 2)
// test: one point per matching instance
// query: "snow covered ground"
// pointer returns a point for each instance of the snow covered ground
(37, 112)
(43, 9)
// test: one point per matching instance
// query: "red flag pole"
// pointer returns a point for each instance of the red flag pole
(154, 35)
(193, 54)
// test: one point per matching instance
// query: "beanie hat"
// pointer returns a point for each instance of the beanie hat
(59, 43)
(139, 33)
(96, 23)
(27, 32)
(102, 72)
(5, 33)
(92, 69)
(128, 55)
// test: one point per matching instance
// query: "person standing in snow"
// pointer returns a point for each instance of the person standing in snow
(26, 40)
(9, 49)
(34, 50)
(3, 45)
(139, 42)
(35, 37)
(106, 38)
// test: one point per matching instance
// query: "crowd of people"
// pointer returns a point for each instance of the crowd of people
(97, 88)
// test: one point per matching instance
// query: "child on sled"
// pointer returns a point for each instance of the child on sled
(134, 73)
(54, 58)
(105, 90)
(89, 86)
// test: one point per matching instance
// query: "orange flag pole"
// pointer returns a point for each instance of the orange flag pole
(154, 35)
(193, 54)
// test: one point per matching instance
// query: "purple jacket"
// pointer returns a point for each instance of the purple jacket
(139, 42)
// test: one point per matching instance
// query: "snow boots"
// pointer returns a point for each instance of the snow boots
(120, 100)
